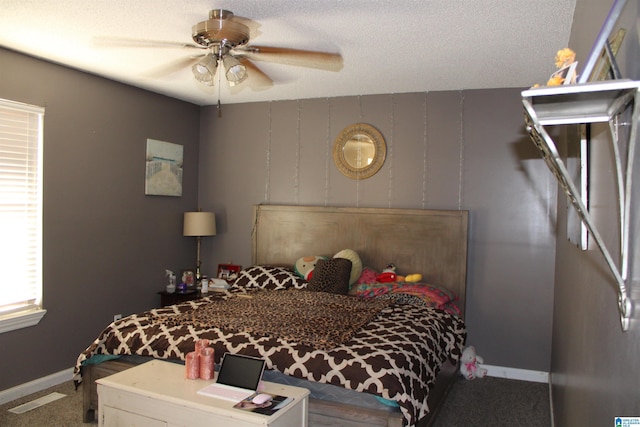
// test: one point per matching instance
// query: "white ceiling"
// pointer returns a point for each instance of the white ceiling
(387, 46)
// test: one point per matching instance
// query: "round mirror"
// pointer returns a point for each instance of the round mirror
(359, 151)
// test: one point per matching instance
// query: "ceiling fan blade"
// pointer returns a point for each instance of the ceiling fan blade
(257, 78)
(301, 58)
(173, 66)
(126, 42)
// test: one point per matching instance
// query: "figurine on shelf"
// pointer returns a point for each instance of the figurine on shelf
(566, 65)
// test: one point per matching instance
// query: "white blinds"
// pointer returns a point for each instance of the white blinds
(20, 207)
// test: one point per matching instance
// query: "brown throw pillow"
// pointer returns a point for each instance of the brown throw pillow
(331, 275)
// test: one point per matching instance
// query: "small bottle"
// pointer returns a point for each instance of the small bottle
(171, 286)
(204, 285)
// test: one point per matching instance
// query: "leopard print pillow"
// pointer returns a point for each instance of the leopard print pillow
(331, 275)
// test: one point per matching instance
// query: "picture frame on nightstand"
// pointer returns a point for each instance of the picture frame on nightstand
(228, 272)
(188, 277)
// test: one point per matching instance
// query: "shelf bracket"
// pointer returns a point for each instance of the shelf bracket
(587, 103)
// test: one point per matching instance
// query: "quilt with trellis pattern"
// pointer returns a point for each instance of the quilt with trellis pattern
(383, 347)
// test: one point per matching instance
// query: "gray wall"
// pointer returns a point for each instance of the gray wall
(106, 244)
(446, 150)
(594, 370)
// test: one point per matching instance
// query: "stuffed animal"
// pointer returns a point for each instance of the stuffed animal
(356, 264)
(564, 58)
(368, 275)
(388, 275)
(470, 364)
(413, 278)
(304, 266)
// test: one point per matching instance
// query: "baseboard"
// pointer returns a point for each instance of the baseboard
(36, 385)
(517, 374)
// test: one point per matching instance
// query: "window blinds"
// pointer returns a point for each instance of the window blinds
(20, 207)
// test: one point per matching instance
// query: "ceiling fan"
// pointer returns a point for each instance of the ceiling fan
(226, 40)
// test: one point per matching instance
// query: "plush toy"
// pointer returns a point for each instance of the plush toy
(356, 264)
(368, 275)
(564, 58)
(470, 364)
(412, 278)
(388, 275)
(304, 266)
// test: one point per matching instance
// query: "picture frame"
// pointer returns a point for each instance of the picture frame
(228, 272)
(599, 46)
(188, 277)
(604, 69)
(163, 170)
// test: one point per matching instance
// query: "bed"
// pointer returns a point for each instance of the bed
(395, 356)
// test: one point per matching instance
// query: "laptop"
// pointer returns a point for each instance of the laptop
(238, 378)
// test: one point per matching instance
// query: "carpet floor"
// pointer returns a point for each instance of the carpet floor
(482, 402)
(496, 402)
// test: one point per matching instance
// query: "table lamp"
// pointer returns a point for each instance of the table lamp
(199, 224)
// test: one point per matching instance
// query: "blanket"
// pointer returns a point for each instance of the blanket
(395, 355)
(331, 319)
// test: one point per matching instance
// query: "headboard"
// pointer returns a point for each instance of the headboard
(430, 242)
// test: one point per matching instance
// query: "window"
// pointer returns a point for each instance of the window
(20, 215)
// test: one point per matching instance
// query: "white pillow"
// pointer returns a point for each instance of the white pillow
(356, 263)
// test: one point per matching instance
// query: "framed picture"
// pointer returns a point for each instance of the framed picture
(163, 169)
(188, 277)
(604, 69)
(618, 16)
(228, 272)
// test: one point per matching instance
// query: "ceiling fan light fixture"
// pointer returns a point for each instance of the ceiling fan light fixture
(223, 41)
(205, 70)
(235, 72)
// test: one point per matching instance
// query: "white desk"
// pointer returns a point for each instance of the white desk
(157, 393)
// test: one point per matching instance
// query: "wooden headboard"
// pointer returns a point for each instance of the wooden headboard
(430, 242)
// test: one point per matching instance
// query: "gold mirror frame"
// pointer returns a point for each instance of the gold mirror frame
(354, 134)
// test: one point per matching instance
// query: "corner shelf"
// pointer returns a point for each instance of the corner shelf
(587, 103)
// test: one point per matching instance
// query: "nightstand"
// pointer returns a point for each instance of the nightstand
(178, 297)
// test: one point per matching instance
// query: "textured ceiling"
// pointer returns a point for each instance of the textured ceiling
(387, 46)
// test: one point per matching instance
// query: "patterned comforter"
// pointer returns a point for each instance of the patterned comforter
(391, 350)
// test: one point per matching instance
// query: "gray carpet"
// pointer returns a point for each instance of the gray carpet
(496, 402)
(482, 402)
(65, 412)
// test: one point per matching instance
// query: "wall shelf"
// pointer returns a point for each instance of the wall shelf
(588, 103)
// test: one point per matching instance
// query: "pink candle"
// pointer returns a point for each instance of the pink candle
(192, 365)
(200, 344)
(206, 363)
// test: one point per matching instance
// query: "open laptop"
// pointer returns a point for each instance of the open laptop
(238, 378)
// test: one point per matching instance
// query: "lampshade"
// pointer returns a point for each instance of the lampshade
(199, 224)
(205, 70)
(235, 72)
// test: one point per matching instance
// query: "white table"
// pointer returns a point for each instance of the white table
(157, 393)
